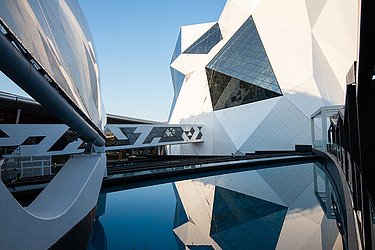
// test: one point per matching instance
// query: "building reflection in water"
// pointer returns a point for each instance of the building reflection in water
(285, 207)
(288, 207)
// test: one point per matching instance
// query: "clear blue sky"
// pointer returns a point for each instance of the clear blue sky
(134, 42)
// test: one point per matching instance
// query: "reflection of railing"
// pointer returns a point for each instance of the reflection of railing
(343, 143)
(324, 194)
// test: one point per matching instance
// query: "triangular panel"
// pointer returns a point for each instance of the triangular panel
(177, 80)
(314, 8)
(180, 216)
(206, 42)
(233, 119)
(326, 80)
(283, 128)
(288, 182)
(227, 91)
(244, 58)
(177, 48)
(237, 220)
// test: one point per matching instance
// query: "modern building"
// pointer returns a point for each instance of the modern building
(249, 82)
(47, 49)
(256, 75)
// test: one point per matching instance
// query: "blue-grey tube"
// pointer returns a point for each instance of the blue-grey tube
(24, 74)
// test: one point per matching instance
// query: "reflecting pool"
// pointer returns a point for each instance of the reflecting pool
(285, 207)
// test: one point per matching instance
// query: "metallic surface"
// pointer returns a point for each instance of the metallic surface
(57, 36)
(16, 67)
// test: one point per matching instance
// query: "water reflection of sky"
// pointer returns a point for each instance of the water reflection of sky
(285, 207)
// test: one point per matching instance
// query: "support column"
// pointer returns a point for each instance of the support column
(324, 129)
(18, 116)
(312, 132)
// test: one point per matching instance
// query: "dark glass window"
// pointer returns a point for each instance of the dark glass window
(242, 220)
(177, 48)
(241, 71)
(129, 132)
(177, 79)
(3, 134)
(33, 140)
(227, 91)
(166, 134)
(206, 42)
(68, 137)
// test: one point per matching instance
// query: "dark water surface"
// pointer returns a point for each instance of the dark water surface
(286, 207)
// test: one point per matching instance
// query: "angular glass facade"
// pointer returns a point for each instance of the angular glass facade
(241, 71)
(227, 91)
(206, 42)
(242, 220)
(177, 80)
(177, 48)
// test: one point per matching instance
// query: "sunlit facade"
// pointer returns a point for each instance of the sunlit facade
(256, 75)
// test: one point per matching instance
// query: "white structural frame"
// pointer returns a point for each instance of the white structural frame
(57, 209)
(324, 113)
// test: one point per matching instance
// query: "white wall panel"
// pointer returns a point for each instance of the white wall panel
(331, 27)
(232, 17)
(314, 8)
(240, 122)
(283, 127)
(288, 48)
(329, 87)
(191, 33)
(291, 12)
(306, 97)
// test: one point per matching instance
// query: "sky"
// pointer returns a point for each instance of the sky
(134, 43)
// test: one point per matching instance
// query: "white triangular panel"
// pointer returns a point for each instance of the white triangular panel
(197, 199)
(331, 238)
(248, 5)
(242, 120)
(191, 193)
(222, 144)
(307, 205)
(288, 182)
(232, 17)
(289, 51)
(283, 128)
(329, 87)
(239, 182)
(188, 63)
(338, 62)
(349, 12)
(331, 28)
(191, 33)
(291, 12)
(189, 234)
(194, 98)
(314, 8)
(306, 97)
(299, 232)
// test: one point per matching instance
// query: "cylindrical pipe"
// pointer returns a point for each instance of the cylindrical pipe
(25, 75)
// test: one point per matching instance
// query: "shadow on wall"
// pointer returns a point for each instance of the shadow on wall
(284, 126)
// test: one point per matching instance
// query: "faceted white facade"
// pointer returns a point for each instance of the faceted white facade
(254, 77)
